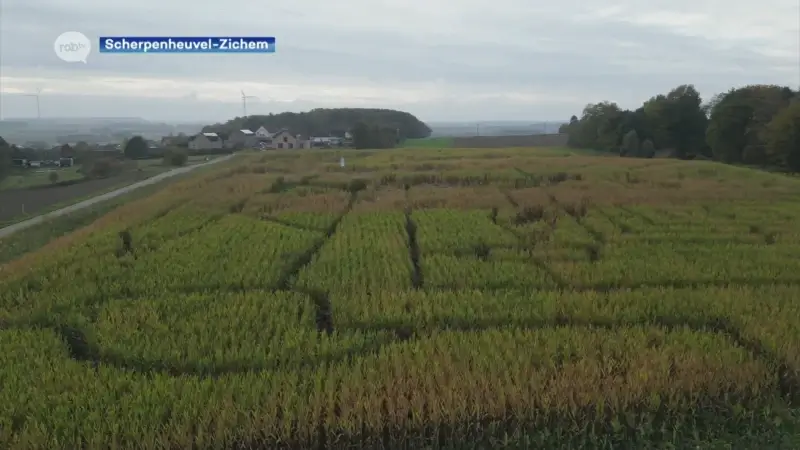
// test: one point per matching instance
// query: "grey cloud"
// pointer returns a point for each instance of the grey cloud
(507, 51)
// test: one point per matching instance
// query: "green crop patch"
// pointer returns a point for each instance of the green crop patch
(416, 298)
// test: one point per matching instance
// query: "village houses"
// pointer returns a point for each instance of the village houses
(281, 139)
(244, 138)
(206, 141)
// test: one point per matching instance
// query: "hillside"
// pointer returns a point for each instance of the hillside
(324, 122)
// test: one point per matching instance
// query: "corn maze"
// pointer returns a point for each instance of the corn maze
(465, 299)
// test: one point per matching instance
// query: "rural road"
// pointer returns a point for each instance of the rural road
(11, 229)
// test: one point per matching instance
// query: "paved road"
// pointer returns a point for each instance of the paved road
(11, 229)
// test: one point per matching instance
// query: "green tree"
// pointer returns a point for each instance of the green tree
(597, 128)
(636, 121)
(374, 136)
(361, 135)
(136, 148)
(689, 124)
(176, 157)
(782, 137)
(737, 121)
(6, 156)
(181, 140)
(384, 137)
(571, 129)
(52, 176)
(565, 128)
(630, 144)
(103, 167)
(678, 121)
(648, 149)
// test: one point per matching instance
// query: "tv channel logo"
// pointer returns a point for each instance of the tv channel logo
(72, 46)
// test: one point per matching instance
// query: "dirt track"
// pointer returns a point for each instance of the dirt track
(11, 201)
(36, 200)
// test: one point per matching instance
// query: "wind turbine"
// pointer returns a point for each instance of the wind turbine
(38, 109)
(244, 102)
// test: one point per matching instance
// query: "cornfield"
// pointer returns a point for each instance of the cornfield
(416, 299)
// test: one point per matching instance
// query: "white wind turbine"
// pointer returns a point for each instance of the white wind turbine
(244, 101)
(38, 108)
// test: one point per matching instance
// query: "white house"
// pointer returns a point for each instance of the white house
(262, 132)
(205, 141)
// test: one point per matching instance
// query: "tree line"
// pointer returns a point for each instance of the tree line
(374, 136)
(328, 122)
(5, 158)
(755, 124)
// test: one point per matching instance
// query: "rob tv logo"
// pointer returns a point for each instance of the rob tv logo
(72, 46)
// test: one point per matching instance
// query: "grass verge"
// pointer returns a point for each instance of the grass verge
(437, 142)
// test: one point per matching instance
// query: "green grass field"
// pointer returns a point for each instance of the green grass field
(465, 299)
(27, 178)
(439, 142)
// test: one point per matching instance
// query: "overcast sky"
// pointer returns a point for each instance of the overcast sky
(438, 59)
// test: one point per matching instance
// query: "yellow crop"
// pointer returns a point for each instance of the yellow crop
(416, 299)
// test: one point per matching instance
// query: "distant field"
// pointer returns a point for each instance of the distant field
(439, 142)
(36, 236)
(29, 178)
(21, 179)
(420, 298)
(29, 193)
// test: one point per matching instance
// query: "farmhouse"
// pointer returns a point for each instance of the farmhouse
(205, 141)
(241, 139)
(262, 132)
(283, 139)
